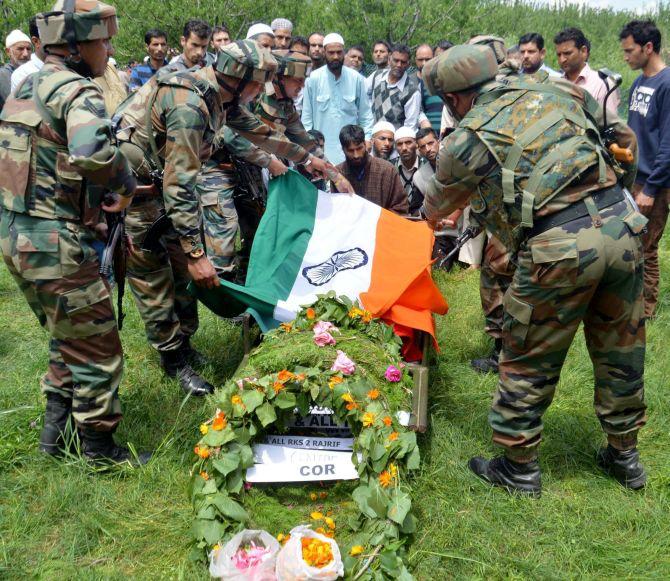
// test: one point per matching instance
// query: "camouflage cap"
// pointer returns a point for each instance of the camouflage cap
(77, 21)
(292, 64)
(495, 43)
(459, 68)
(246, 59)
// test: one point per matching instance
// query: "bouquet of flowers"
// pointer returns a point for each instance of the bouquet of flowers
(309, 556)
(250, 556)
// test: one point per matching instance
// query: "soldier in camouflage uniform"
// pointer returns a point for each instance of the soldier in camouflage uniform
(218, 180)
(167, 129)
(548, 189)
(54, 139)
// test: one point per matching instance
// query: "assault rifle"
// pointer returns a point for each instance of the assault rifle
(609, 135)
(114, 259)
(467, 234)
(249, 186)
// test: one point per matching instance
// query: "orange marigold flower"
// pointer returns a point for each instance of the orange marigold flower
(310, 313)
(204, 475)
(366, 316)
(356, 550)
(393, 436)
(316, 553)
(368, 419)
(387, 421)
(330, 523)
(373, 393)
(354, 313)
(320, 530)
(351, 406)
(236, 400)
(202, 452)
(285, 375)
(313, 495)
(278, 386)
(282, 538)
(334, 380)
(300, 377)
(286, 327)
(385, 479)
(323, 495)
(393, 470)
(316, 515)
(219, 422)
(348, 397)
(204, 428)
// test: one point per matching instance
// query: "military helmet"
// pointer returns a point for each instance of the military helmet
(246, 59)
(73, 21)
(459, 68)
(292, 64)
(495, 43)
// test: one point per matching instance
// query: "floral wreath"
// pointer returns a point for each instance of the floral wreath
(248, 406)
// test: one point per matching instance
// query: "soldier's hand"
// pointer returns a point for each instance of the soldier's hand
(343, 185)
(114, 203)
(203, 272)
(644, 202)
(277, 168)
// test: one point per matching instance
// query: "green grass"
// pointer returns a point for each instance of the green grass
(62, 520)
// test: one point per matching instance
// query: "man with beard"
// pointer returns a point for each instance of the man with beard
(382, 139)
(335, 96)
(194, 42)
(374, 179)
(532, 54)
(316, 52)
(407, 164)
(394, 94)
(156, 42)
(18, 49)
(262, 34)
(283, 30)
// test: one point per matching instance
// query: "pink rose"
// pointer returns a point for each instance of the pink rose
(392, 374)
(324, 338)
(323, 326)
(343, 363)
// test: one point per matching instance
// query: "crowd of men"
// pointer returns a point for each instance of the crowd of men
(472, 135)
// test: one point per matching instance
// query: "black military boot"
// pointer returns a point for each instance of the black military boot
(175, 365)
(100, 448)
(57, 425)
(524, 478)
(488, 364)
(193, 357)
(624, 465)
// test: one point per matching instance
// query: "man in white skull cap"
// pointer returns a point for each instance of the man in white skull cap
(262, 34)
(335, 96)
(18, 48)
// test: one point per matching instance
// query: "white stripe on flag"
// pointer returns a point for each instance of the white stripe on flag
(344, 224)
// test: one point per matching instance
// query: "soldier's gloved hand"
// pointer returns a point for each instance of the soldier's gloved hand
(114, 203)
(203, 272)
(277, 168)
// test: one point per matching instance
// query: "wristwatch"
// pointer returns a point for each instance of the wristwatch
(192, 246)
(197, 252)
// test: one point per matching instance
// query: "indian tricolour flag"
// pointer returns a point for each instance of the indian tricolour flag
(310, 242)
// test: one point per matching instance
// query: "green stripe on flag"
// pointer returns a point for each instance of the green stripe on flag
(276, 255)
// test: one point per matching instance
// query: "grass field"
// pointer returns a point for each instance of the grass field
(61, 521)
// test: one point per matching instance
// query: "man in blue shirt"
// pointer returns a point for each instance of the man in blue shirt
(335, 96)
(156, 41)
(649, 118)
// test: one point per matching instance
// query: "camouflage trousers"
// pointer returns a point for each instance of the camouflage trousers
(565, 276)
(56, 267)
(215, 189)
(159, 280)
(495, 277)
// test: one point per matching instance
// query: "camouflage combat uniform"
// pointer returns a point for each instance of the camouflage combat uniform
(188, 109)
(518, 172)
(48, 154)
